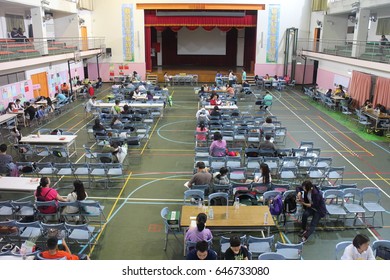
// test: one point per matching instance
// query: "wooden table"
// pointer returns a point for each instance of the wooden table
(18, 184)
(52, 140)
(246, 218)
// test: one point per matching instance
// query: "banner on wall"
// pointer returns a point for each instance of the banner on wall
(128, 32)
(20, 90)
(273, 33)
(112, 70)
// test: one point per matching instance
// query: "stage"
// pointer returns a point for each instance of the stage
(205, 74)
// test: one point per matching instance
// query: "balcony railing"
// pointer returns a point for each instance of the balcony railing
(365, 50)
(13, 49)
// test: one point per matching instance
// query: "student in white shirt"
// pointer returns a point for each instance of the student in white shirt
(359, 249)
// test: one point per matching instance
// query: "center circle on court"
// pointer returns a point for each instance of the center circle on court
(171, 140)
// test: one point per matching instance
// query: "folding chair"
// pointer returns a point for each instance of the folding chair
(371, 199)
(335, 173)
(192, 197)
(290, 251)
(340, 247)
(334, 203)
(90, 209)
(353, 203)
(259, 245)
(169, 229)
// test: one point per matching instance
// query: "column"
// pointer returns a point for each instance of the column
(39, 30)
(360, 32)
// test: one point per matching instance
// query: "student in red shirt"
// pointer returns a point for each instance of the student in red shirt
(91, 90)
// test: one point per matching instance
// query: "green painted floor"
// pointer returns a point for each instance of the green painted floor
(159, 168)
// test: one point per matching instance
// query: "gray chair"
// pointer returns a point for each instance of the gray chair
(219, 198)
(290, 251)
(259, 245)
(371, 199)
(169, 229)
(353, 203)
(80, 234)
(340, 247)
(271, 256)
(334, 203)
(192, 197)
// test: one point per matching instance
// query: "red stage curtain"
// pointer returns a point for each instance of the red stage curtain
(160, 28)
(360, 87)
(192, 28)
(382, 92)
(148, 47)
(208, 28)
(224, 28)
(175, 28)
(249, 20)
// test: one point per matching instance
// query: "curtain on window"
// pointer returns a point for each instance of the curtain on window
(383, 26)
(85, 5)
(382, 92)
(360, 87)
(319, 5)
(14, 21)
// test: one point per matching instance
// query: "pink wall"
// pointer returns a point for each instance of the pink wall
(326, 79)
(108, 70)
(20, 90)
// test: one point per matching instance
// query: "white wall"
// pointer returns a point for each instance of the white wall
(66, 26)
(381, 13)
(87, 17)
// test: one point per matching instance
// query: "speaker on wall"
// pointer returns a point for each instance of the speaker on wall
(108, 52)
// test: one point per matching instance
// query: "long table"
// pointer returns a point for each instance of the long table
(18, 184)
(377, 117)
(227, 218)
(132, 105)
(7, 117)
(53, 140)
(222, 107)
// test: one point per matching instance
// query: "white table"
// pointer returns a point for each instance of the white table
(132, 105)
(44, 101)
(19, 184)
(53, 140)
(222, 107)
(7, 117)
(143, 97)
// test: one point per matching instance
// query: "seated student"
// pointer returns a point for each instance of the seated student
(54, 253)
(328, 93)
(18, 104)
(267, 101)
(78, 194)
(61, 97)
(339, 91)
(10, 108)
(215, 100)
(40, 114)
(230, 91)
(201, 128)
(65, 88)
(149, 96)
(5, 160)
(366, 105)
(236, 251)
(200, 232)
(218, 146)
(215, 111)
(359, 249)
(98, 126)
(127, 110)
(116, 123)
(201, 177)
(221, 177)
(287, 79)
(118, 152)
(268, 125)
(157, 87)
(116, 109)
(202, 252)
(45, 193)
(267, 144)
(379, 108)
(266, 177)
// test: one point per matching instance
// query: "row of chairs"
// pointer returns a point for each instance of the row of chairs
(81, 234)
(340, 247)
(88, 211)
(92, 171)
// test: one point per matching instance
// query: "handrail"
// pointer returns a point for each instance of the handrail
(24, 48)
(365, 50)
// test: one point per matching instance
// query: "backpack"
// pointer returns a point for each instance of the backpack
(289, 205)
(246, 197)
(276, 206)
(382, 253)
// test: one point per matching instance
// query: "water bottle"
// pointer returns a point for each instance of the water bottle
(211, 213)
(237, 203)
(266, 218)
(200, 204)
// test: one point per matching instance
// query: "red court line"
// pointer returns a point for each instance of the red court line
(370, 173)
(346, 137)
(292, 139)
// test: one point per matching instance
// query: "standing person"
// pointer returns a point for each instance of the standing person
(218, 147)
(5, 160)
(384, 40)
(200, 232)
(359, 249)
(202, 252)
(89, 105)
(45, 193)
(167, 79)
(243, 75)
(313, 205)
(116, 109)
(78, 194)
(231, 78)
(91, 90)
(236, 251)
(29, 111)
(201, 177)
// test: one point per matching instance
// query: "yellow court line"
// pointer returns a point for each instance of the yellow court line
(150, 136)
(334, 138)
(76, 124)
(307, 108)
(385, 180)
(346, 136)
(284, 99)
(68, 120)
(109, 214)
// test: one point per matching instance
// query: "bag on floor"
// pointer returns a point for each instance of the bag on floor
(382, 253)
(276, 205)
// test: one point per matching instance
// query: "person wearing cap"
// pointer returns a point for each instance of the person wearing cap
(201, 177)
(202, 115)
(88, 106)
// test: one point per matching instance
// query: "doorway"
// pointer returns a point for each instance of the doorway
(41, 79)
(84, 38)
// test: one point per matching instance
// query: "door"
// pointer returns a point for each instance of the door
(41, 79)
(84, 38)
